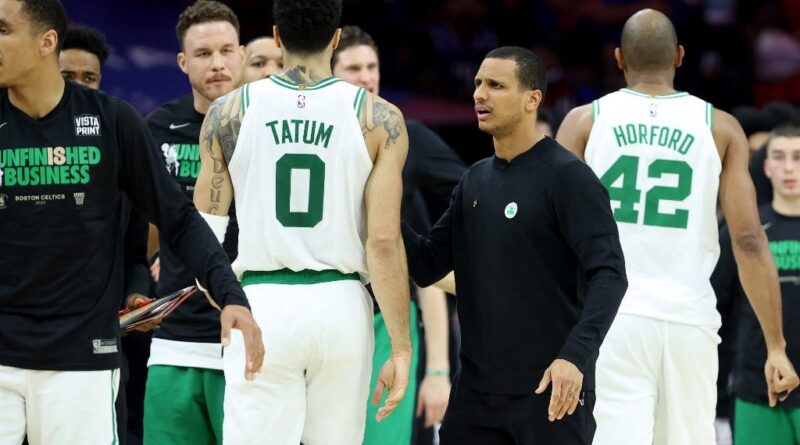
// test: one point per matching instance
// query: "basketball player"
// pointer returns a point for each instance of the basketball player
(67, 155)
(185, 377)
(664, 155)
(82, 56)
(755, 422)
(434, 167)
(315, 164)
(262, 59)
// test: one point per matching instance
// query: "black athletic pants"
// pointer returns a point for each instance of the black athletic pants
(475, 418)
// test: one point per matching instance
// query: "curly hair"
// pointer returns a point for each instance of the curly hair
(45, 15)
(204, 11)
(307, 26)
(86, 39)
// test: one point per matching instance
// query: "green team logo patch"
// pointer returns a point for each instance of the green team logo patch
(182, 160)
(34, 166)
(786, 254)
(511, 210)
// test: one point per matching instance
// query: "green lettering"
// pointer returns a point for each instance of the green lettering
(10, 177)
(82, 175)
(619, 134)
(287, 133)
(297, 123)
(643, 134)
(94, 155)
(324, 133)
(308, 136)
(673, 141)
(271, 126)
(686, 144)
(663, 137)
(630, 131)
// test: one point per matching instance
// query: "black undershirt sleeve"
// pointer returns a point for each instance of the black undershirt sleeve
(603, 268)
(430, 257)
(725, 279)
(439, 167)
(584, 214)
(137, 273)
(158, 197)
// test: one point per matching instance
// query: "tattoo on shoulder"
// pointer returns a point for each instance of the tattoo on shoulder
(379, 114)
(222, 124)
(224, 121)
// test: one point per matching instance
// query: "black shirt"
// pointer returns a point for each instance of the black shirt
(539, 268)
(137, 272)
(751, 349)
(176, 129)
(61, 262)
(432, 168)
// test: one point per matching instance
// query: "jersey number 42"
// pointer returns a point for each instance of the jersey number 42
(626, 170)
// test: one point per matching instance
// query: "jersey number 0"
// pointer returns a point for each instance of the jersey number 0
(283, 189)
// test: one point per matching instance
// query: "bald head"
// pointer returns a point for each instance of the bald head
(649, 41)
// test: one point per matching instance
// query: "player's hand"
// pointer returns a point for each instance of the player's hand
(393, 377)
(155, 269)
(234, 316)
(135, 301)
(567, 383)
(434, 394)
(781, 377)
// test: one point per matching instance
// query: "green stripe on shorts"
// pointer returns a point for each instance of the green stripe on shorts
(287, 276)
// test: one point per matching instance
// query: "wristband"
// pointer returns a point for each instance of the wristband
(218, 224)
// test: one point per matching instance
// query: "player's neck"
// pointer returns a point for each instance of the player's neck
(201, 103)
(652, 83)
(40, 92)
(785, 205)
(307, 70)
(509, 146)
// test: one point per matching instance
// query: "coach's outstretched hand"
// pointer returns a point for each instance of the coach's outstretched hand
(238, 317)
(567, 383)
(781, 377)
(394, 377)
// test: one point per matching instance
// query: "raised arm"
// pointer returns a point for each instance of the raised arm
(385, 133)
(573, 133)
(756, 266)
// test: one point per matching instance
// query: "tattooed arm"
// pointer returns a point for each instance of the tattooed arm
(213, 191)
(385, 134)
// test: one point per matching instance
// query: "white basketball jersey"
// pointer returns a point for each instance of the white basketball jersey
(657, 158)
(299, 172)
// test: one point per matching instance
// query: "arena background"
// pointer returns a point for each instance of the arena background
(738, 52)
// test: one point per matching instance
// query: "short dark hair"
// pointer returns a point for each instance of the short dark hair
(307, 26)
(86, 39)
(530, 68)
(204, 11)
(787, 130)
(353, 36)
(46, 15)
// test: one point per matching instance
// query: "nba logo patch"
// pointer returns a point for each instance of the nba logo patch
(301, 101)
(653, 110)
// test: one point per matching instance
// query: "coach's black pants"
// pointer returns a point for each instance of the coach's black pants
(491, 419)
